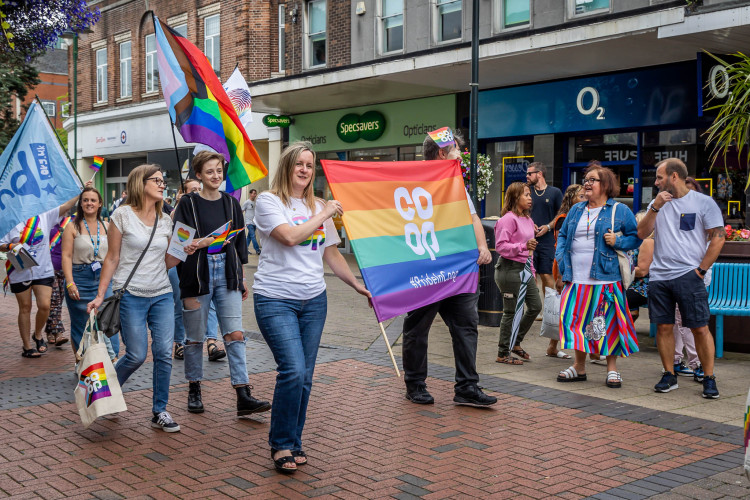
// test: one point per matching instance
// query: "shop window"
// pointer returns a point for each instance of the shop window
(580, 7)
(410, 153)
(282, 37)
(514, 13)
(126, 87)
(392, 25)
(316, 33)
(152, 71)
(212, 41)
(101, 75)
(449, 20)
(512, 158)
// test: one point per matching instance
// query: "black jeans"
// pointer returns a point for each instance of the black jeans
(460, 314)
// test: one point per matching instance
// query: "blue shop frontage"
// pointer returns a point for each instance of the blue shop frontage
(627, 120)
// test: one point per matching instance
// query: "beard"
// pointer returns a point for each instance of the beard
(668, 187)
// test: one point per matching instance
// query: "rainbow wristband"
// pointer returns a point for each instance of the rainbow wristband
(69, 285)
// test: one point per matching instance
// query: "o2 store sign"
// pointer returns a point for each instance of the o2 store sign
(368, 126)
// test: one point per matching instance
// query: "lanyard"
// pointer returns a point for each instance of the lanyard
(96, 247)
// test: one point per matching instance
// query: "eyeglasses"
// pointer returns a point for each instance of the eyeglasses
(591, 180)
(158, 181)
(532, 173)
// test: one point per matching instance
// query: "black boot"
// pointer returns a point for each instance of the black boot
(247, 404)
(195, 404)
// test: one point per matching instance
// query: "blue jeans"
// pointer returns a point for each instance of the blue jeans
(228, 305)
(87, 282)
(138, 315)
(179, 328)
(292, 329)
(251, 237)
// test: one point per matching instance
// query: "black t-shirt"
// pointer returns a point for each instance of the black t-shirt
(544, 208)
(211, 214)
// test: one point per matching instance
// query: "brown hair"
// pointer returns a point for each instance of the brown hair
(204, 157)
(610, 186)
(281, 185)
(693, 184)
(185, 183)
(540, 167)
(569, 198)
(137, 180)
(674, 165)
(512, 195)
(78, 219)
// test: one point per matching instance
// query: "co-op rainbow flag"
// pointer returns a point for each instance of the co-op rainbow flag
(200, 107)
(410, 229)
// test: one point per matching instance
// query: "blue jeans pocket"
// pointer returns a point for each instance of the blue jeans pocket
(687, 222)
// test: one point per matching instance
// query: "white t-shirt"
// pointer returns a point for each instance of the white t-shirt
(582, 248)
(150, 279)
(290, 272)
(680, 234)
(472, 210)
(40, 251)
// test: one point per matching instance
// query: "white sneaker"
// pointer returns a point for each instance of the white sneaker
(164, 422)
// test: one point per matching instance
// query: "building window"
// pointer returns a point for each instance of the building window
(181, 29)
(316, 32)
(152, 70)
(515, 13)
(211, 41)
(586, 6)
(101, 75)
(282, 37)
(126, 84)
(449, 20)
(392, 25)
(65, 109)
(49, 108)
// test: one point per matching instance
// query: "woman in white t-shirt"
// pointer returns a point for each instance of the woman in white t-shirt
(147, 300)
(296, 234)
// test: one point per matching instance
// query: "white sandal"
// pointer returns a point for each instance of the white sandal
(571, 375)
(614, 380)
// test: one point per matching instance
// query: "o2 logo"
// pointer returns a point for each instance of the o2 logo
(418, 202)
(593, 107)
(719, 89)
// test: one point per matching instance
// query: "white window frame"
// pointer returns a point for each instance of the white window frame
(572, 10)
(214, 55)
(309, 35)
(126, 71)
(282, 37)
(50, 108)
(381, 29)
(101, 76)
(65, 109)
(151, 66)
(438, 22)
(500, 17)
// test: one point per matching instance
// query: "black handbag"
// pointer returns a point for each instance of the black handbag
(108, 315)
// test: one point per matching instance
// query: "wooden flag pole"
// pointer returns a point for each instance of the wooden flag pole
(388, 345)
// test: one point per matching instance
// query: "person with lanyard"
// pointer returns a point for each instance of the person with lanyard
(214, 275)
(84, 247)
(35, 234)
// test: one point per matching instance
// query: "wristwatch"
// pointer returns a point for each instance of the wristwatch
(654, 209)
(701, 271)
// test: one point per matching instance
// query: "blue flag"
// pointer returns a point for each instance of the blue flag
(35, 174)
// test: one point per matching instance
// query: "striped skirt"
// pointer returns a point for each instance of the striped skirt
(595, 319)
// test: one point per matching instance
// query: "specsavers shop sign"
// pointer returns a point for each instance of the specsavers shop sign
(391, 124)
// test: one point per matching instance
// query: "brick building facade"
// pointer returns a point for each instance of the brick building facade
(52, 88)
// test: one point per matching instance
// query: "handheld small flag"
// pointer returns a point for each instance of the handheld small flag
(443, 137)
(221, 229)
(220, 240)
(98, 162)
(31, 234)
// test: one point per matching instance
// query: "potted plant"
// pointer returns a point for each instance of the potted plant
(484, 172)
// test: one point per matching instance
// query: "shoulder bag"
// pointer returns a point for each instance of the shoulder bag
(626, 269)
(108, 316)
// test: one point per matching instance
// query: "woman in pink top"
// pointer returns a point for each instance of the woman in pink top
(514, 240)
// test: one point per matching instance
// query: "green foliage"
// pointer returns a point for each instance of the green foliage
(17, 76)
(63, 135)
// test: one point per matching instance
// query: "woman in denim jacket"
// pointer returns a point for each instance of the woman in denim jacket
(594, 316)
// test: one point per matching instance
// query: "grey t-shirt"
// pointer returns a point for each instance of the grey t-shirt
(680, 235)
(249, 209)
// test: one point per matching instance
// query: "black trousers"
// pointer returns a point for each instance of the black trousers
(460, 314)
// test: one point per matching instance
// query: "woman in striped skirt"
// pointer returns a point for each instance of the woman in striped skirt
(594, 316)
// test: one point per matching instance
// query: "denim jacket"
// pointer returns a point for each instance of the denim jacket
(605, 266)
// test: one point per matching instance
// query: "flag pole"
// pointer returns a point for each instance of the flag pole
(62, 146)
(388, 345)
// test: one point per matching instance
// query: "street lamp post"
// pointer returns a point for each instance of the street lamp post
(474, 101)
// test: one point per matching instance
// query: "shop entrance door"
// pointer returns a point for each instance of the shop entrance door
(628, 175)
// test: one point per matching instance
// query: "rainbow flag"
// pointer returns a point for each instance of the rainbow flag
(56, 236)
(410, 229)
(747, 435)
(98, 162)
(93, 383)
(218, 243)
(200, 107)
(32, 234)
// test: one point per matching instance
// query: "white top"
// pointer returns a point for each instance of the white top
(472, 210)
(40, 251)
(150, 278)
(680, 234)
(83, 248)
(582, 248)
(249, 211)
(290, 272)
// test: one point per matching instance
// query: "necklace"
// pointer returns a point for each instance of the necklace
(588, 221)
(543, 191)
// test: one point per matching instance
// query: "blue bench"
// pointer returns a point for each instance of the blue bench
(728, 295)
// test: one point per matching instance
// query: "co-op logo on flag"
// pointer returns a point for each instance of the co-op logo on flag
(417, 202)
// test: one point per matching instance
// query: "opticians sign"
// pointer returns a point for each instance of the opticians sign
(368, 126)
(282, 121)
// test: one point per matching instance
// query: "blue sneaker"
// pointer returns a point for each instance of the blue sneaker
(683, 369)
(709, 388)
(698, 374)
(667, 383)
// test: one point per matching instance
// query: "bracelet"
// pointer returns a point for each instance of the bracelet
(69, 285)
(653, 209)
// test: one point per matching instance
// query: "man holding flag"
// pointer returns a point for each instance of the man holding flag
(458, 311)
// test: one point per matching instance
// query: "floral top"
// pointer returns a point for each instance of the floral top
(639, 285)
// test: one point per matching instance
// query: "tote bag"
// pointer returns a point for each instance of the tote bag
(98, 392)
(626, 267)
(551, 315)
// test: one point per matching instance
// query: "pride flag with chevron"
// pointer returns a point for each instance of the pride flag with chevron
(200, 107)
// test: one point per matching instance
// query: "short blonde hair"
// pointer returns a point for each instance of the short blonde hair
(282, 181)
(137, 180)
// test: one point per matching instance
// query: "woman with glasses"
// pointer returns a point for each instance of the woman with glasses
(594, 316)
(147, 302)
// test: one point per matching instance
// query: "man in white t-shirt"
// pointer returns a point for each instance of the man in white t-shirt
(248, 208)
(688, 236)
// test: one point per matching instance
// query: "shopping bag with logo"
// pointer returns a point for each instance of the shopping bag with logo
(98, 391)
(551, 315)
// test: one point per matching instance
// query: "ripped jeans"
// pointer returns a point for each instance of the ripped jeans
(195, 312)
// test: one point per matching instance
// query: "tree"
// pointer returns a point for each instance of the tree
(17, 76)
